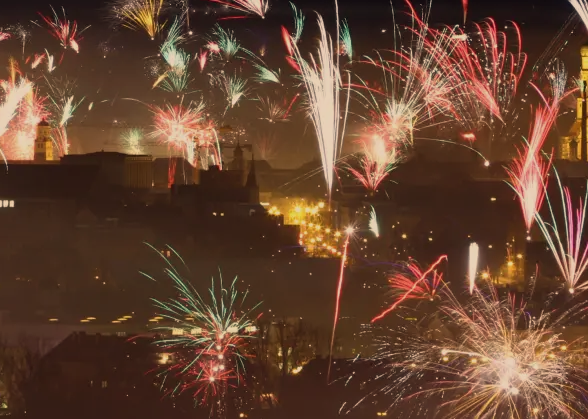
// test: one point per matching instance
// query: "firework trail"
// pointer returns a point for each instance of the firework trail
(490, 359)
(373, 223)
(139, 15)
(253, 7)
(414, 285)
(378, 160)
(568, 247)
(473, 265)
(63, 30)
(323, 81)
(210, 351)
(581, 7)
(464, 4)
(348, 234)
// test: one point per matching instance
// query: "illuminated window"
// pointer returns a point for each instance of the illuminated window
(5, 203)
(11, 204)
(104, 384)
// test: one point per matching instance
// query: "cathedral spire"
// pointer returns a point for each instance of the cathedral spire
(251, 177)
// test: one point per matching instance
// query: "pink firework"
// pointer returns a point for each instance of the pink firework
(203, 59)
(492, 65)
(528, 172)
(184, 130)
(63, 30)
(420, 285)
(378, 160)
(427, 289)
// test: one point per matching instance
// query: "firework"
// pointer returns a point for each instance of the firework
(64, 110)
(18, 141)
(177, 76)
(233, 87)
(528, 172)
(63, 30)
(22, 33)
(346, 45)
(464, 4)
(407, 286)
(568, 247)
(202, 59)
(414, 91)
(13, 96)
(254, 7)
(210, 351)
(491, 64)
(377, 162)
(473, 265)
(497, 361)
(224, 42)
(298, 23)
(323, 81)
(178, 127)
(132, 139)
(265, 75)
(139, 15)
(272, 110)
(50, 62)
(373, 223)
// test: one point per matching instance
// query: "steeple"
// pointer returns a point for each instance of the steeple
(238, 162)
(251, 183)
(251, 178)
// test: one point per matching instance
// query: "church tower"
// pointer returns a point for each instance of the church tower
(43, 142)
(572, 146)
(238, 162)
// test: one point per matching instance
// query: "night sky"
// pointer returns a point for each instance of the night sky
(112, 65)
